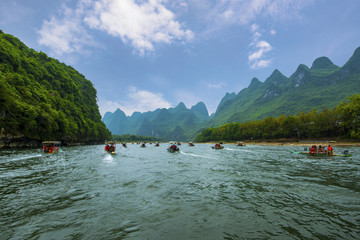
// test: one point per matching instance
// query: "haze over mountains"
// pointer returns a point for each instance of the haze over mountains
(323, 85)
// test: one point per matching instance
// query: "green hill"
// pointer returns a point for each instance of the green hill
(172, 124)
(43, 99)
(324, 85)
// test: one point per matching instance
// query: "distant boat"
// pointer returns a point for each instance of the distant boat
(173, 148)
(191, 144)
(157, 144)
(110, 147)
(346, 154)
(143, 145)
(240, 144)
(51, 146)
(124, 145)
(217, 146)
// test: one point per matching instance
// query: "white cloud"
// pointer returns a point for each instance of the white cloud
(259, 49)
(142, 24)
(65, 34)
(272, 32)
(143, 101)
(186, 96)
(107, 106)
(254, 27)
(215, 85)
(219, 14)
(260, 64)
(138, 100)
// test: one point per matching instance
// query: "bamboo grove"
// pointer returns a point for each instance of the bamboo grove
(341, 122)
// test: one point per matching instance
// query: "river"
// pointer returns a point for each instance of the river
(250, 192)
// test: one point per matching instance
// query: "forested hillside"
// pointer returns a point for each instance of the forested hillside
(323, 85)
(179, 123)
(43, 99)
(341, 122)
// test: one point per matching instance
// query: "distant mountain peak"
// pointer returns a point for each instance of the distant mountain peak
(225, 101)
(120, 113)
(255, 83)
(276, 78)
(356, 52)
(200, 107)
(353, 64)
(299, 75)
(230, 95)
(323, 63)
(181, 105)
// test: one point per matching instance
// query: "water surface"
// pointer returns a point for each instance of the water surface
(251, 192)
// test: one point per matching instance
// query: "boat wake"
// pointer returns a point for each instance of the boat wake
(196, 155)
(108, 158)
(238, 150)
(230, 149)
(25, 157)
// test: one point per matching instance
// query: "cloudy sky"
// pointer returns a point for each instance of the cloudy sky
(147, 54)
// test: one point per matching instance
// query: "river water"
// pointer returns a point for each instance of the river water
(251, 192)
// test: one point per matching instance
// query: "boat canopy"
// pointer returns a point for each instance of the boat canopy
(51, 143)
(110, 142)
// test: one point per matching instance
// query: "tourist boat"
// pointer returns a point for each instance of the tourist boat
(124, 145)
(346, 154)
(51, 146)
(217, 146)
(110, 147)
(143, 145)
(157, 144)
(173, 148)
(240, 144)
(191, 144)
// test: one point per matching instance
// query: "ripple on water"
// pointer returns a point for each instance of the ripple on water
(251, 192)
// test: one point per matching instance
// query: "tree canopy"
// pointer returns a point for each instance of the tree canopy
(42, 99)
(341, 122)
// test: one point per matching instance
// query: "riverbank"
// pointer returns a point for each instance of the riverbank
(302, 143)
(22, 142)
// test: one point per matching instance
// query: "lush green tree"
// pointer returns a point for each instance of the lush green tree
(43, 99)
(343, 122)
(349, 116)
(135, 138)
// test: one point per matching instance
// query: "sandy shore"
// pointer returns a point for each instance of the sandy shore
(294, 143)
(301, 143)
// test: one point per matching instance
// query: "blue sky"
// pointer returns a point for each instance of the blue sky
(147, 54)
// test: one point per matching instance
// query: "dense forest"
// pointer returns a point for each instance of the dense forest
(171, 124)
(43, 99)
(323, 85)
(341, 122)
(135, 138)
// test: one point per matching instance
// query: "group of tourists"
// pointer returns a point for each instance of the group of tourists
(321, 150)
(109, 148)
(50, 149)
(173, 148)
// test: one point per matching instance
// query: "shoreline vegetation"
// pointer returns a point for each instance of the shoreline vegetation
(31, 143)
(342, 122)
(304, 143)
(43, 99)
